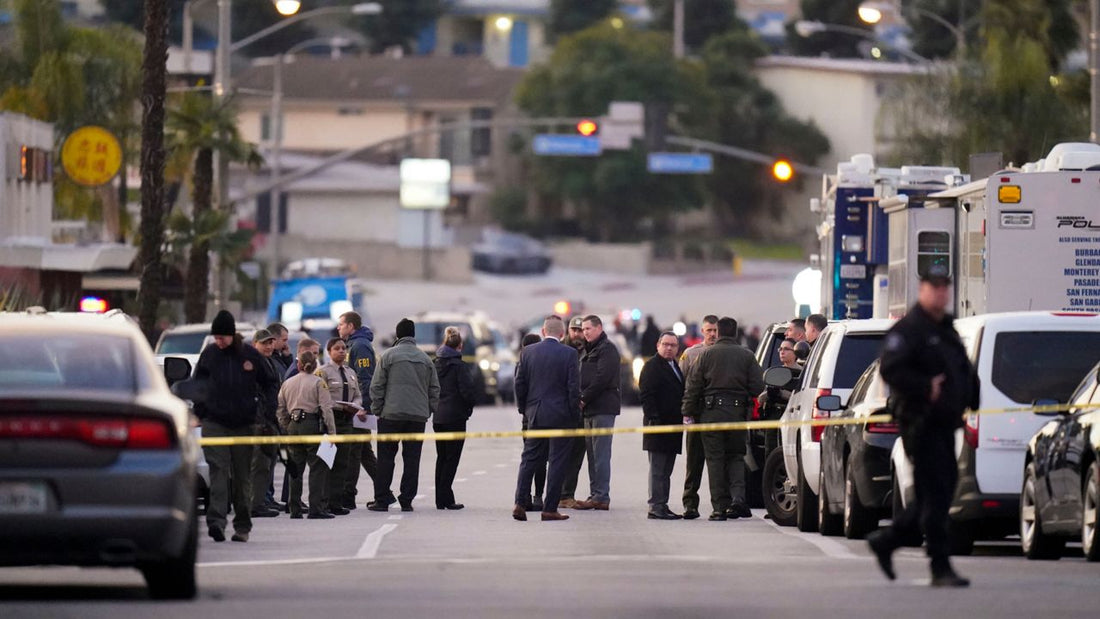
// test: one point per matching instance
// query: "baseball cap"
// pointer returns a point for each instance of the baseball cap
(262, 335)
(937, 274)
(576, 322)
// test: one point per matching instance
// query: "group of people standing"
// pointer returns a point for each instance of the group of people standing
(241, 390)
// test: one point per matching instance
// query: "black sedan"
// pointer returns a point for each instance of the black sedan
(1060, 498)
(855, 463)
(506, 252)
(97, 458)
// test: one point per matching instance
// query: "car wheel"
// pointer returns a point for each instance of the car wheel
(779, 492)
(807, 505)
(174, 578)
(1037, 545)
(858, 520)
(1091, 500)
(828, 523)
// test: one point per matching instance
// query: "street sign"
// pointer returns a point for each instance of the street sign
(680, 163)
(91, 156)
(425, 183)
(556, 145)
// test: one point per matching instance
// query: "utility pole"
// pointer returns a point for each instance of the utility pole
(678, 28)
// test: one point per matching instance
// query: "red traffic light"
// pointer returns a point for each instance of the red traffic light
(587, 127)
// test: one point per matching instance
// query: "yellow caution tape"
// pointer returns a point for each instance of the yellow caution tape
(219, 441)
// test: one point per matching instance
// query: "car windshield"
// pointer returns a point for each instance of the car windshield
(856, 353)
(1032, 365)
(181, 343)
(431, 334)
(93, 362)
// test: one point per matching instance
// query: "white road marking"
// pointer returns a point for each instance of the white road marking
(370, 545)
(831, 548)
(395, 517)
(480, 472)
(461, 479)
(419, 496)
(501, 465)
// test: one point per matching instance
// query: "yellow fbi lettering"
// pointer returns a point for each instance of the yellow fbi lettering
(363, 363)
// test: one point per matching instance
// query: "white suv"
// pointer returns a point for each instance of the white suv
(841, 355)
(1021, 357)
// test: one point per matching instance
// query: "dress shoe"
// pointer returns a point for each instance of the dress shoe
(662, 515)
(240, 537)
(718, 517)
(375, 506)
(320, 516)
(336, 510)
(691, 514)
(738, 510)
(553, 516)
(949, 578)
(217, 534)
(590, 504)
(452, 506)
(348, 505)
(406, 507)
(519, 513)
(568, 503)
(296, 516)
(265, 513)
(537, 504)
(275, 505)
(883, 551)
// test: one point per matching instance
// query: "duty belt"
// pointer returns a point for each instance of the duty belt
(727, 398)
(299, 415)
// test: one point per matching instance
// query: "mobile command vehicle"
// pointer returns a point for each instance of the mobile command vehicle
(1021, 239)
(313, 293)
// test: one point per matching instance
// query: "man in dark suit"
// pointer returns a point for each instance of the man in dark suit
(662, 390)
(548, 395)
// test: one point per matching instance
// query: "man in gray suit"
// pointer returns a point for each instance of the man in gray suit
(549, 397)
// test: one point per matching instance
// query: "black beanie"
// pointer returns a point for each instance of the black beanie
(223, 324)
(406, 328)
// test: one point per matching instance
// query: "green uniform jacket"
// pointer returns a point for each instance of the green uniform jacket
(405, 386)
(725, 366)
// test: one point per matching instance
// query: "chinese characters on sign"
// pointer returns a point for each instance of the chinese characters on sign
(91, 156)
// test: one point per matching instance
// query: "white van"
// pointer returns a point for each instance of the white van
(839, 357)
(1021, 357)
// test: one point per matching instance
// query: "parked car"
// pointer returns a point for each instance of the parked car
(839, 357)
(1060, 497)
(189, 340)
(855, 484)
(507, 252)
(478, 348)
(1020, 357)
(760, 480)
(504, 363)
(97, 459)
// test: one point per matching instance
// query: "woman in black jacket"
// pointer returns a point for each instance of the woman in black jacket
(456, 403)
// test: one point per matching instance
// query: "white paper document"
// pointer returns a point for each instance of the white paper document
(370, 423)
(326, 451)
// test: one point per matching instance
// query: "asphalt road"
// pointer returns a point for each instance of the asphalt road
(480, 563)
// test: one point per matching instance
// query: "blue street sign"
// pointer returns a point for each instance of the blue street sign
(567, 145)
(680, 163)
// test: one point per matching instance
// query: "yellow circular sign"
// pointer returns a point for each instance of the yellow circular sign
(91, 156)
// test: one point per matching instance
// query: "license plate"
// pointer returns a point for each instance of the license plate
(23, 498)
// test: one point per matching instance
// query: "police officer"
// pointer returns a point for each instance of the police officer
(926, 366)
(343, 387)
(694, 457)
(718, 391)
(304, 403)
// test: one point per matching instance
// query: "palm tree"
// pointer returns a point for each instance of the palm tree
(154, 72)
(197, 128)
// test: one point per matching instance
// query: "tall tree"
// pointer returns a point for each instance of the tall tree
(1001, 100)
(932, 39)
(153, 85)
(399, 23)
(613, 195)
(201, 126)
(703, 19)
(568, 16)
(835, 44)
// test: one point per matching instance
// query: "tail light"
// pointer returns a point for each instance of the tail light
(817, 431)
(755, 409)
(970, 431)
(881, 428)
(112, 432)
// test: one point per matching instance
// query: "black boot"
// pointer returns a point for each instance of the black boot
(883, 548)
(944, 576)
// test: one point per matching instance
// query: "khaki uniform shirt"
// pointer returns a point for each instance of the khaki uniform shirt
(330, 375)
(305, 392)
(689, 357)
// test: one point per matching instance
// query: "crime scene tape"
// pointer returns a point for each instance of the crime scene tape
(771, 424)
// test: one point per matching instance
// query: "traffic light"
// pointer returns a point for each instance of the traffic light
(782, 170)
(588, 127)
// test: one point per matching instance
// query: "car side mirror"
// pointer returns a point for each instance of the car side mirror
(1051, 407)
(829, 403)
(176, 369)
(778, 377)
